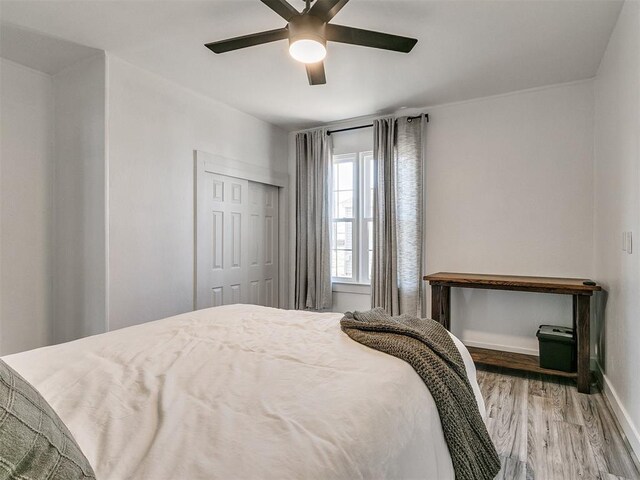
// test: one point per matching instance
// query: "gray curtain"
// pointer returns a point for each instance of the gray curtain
(313, 220)
(397, 210)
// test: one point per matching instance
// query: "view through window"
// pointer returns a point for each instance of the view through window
(352, 221)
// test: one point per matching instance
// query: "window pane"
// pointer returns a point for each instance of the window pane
(345, 175)
(344, 263)
(344, 205)
(342, 249)
(343, 235)
(352, 194)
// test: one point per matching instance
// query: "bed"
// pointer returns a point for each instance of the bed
(239, 392)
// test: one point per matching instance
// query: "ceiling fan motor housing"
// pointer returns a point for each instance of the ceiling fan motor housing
(307, 27)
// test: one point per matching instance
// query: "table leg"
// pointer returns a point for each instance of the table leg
(441, 305)
(575, 315)
(582, 305)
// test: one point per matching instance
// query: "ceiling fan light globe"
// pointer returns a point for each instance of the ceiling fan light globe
(307, 50)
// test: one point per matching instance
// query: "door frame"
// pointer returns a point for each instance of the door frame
(205, 162)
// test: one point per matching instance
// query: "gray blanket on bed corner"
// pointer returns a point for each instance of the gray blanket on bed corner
(429, 349)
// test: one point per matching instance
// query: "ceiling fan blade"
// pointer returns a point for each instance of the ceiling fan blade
(368, 38)
(315, 73)
(248, 40)
(282, 8)
(325, 10)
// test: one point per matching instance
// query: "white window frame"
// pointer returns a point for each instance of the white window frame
(363, 221)
(360, 240)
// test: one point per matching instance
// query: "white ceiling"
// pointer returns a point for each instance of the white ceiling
(466, 49)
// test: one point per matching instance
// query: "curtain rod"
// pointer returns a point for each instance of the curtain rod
(371, 125)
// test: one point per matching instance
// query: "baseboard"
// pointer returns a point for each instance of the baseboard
(624, 420)
(504, 348)
(593, 363)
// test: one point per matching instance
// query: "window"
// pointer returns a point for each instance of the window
(352, 219)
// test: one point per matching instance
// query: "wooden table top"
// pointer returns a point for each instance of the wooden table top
(513, 282)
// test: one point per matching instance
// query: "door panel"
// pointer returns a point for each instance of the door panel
(236, 242)
(263, 267)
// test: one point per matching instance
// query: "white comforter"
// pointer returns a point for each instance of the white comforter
(241, 392)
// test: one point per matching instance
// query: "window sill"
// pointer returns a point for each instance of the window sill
(357, 288)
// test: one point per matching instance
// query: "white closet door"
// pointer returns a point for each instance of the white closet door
(236, 243)
(263, 244)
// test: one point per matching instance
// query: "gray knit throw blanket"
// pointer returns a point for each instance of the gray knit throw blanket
(428, 348)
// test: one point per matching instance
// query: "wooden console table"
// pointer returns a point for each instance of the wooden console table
(442, 282)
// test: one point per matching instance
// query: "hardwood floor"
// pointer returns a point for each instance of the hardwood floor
(544, 429)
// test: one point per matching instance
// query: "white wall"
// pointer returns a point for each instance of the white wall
(350, 301)
(154, 127)
(617, 209)
(509, 184)
(509, 187)
(26, 159)
(55, 208)
(79, 220)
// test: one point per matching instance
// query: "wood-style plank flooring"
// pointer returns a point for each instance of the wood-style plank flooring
(544, 429)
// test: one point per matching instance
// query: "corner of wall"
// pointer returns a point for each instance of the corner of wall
(107, 60)
(616, 191)
(630, 431)
(78, 205)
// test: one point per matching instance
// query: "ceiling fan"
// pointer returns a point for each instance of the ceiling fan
(308, 32)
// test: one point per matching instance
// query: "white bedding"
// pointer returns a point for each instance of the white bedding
(240, 392)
